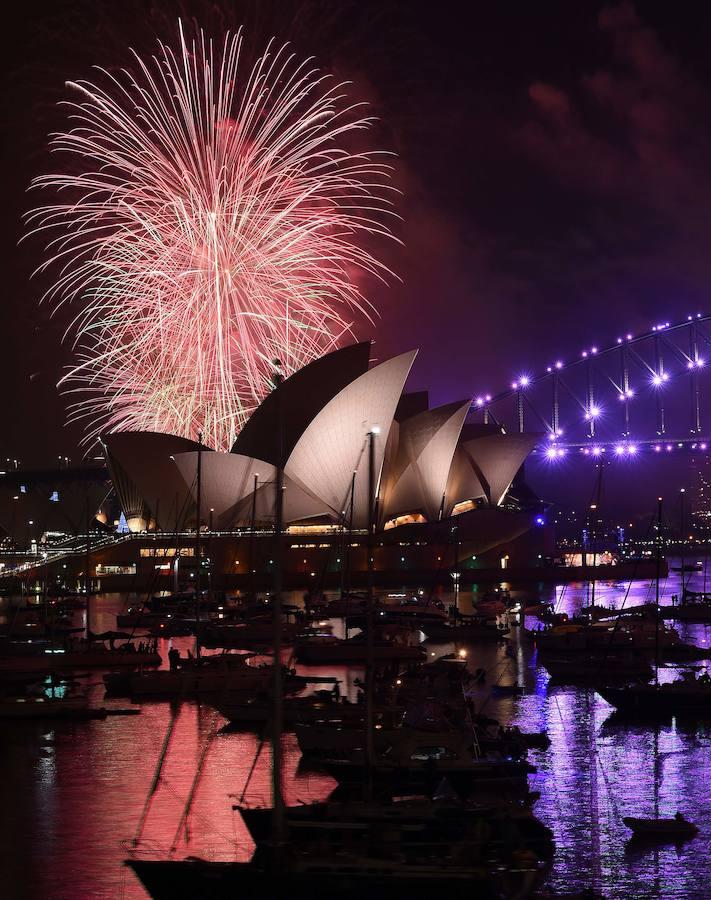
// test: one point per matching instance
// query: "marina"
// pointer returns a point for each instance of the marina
(595, 774)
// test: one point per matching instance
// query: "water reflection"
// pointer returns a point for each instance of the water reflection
(73, 792)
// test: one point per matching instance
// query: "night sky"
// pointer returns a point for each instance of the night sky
(554, 157)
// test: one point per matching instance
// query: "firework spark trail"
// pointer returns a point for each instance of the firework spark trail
(213, 224)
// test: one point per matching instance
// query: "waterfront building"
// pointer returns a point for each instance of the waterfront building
(446, 491)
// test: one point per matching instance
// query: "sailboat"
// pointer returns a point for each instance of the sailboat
(687, 696)
(648, 699)
(656, 829)
(677, 828)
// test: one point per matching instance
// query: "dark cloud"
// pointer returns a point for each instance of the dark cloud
(631, 142)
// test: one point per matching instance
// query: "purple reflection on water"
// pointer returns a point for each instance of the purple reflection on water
(72, 793)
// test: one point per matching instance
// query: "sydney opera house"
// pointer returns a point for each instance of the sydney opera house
(448, 495)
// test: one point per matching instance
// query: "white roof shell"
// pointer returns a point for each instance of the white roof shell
(147, 480)
(485, 467)
(335, 444)
(228, 488)
(424, 445)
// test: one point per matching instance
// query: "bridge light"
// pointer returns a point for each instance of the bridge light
(700, 363)
(479, 401)
(585, 353)
(703, 446)
(657, 380)
(629, 337)
(596, 451)
(595, 411)
(488, 398)
(559, 365)
(619, 450)
(551, 453)
(632, 449)
(669, 448)
(593, 350)
(657, 448)
(514, 385)
(524, 381)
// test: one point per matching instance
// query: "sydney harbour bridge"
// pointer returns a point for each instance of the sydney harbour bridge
(643, 393)
(640, 397)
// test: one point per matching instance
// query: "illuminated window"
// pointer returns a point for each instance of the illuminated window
(407, 519)
(324, 528)
(127, 569)
(167, 551)
(464, 506)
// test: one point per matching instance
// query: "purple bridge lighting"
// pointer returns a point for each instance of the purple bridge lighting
(643, 394)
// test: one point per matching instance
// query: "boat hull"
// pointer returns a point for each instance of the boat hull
(191, 879)
(504, 777)
(63, 662)
(661, 830)
(344, 652)
(658, 702)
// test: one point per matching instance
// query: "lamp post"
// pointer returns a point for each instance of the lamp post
(369, 666)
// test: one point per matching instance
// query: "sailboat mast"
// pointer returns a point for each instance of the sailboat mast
(369, 667)
(252, 521)
(656, 596)
(595, 507)
(87, 580)
(348, 534)
(198, 547)
(455, 566)
(682, 492)
(278, 818)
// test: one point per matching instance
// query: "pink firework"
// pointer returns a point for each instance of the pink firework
(213, 219)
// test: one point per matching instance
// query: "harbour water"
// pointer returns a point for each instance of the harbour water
(73, 792)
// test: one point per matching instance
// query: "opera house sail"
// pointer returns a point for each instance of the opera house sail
(433, 469)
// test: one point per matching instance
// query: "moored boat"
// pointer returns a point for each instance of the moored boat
(675, 829)
(686, 697)
(466, 629)
(327, 649)
(45, 658)
(44, 707)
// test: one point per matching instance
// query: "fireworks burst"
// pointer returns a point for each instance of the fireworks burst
(214, 221)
